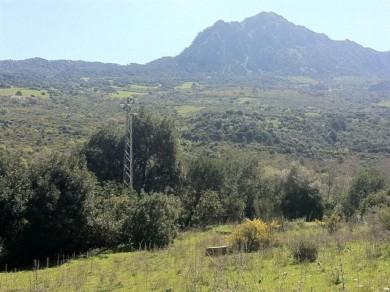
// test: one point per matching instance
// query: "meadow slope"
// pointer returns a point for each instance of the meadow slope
(352, 259)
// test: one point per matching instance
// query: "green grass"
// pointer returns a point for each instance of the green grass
(185, 85)
(26, 92)
(184, 110)
(142, 87)
(125, 93)
(362, 265)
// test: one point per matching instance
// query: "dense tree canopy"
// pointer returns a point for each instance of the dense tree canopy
(104, 154)
(301, 196)
(14, 193)
(48, 211)
(155, 153)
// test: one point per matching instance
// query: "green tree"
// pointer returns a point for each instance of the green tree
(301, 196)
(104, 154)
(245, 180)
(155, 143)
(209, 209)
(156, 166)
(56, 217)
(366, 182)
(204, 174)
(375, 201)
(109, 208)
(233, 208)
(152, 221)
(240, 178)
(14, 193)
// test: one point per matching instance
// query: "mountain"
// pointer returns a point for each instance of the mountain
(265, 43)
(269, 43)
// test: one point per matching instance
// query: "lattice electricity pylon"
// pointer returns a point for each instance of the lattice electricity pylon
(128, 151)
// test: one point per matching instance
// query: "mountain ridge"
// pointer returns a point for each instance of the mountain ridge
(267, 42)
(264, 43)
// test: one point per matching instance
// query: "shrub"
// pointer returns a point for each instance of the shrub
(152, 222)
(209, 210)
(367, 181)
(384, 218)
(253, 235)
(331, 223)
(109, 209)
(375, 201)
(304, 250)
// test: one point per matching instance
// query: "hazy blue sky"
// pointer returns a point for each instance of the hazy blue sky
(125, 31)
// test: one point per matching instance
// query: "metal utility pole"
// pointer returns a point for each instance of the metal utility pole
(128, 151)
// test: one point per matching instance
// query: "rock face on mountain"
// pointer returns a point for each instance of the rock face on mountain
(269, 43)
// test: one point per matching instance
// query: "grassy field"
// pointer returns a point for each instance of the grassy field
(25, 92)
(184, 110)
(142, 87)
(352, 259)
(185, 85)
(126, 93)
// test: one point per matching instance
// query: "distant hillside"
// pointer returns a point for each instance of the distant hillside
(47, 68)
(38, 71)
(265, 43)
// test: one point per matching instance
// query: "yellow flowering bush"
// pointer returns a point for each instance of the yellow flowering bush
(253, 235)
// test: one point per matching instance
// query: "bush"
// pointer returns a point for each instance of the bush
(109, 209)
(366, 182)
(384, 218)
(375, 201)
(331, 223)
(153, 221)
(209, 210)
(253, 235)
(304, 251)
